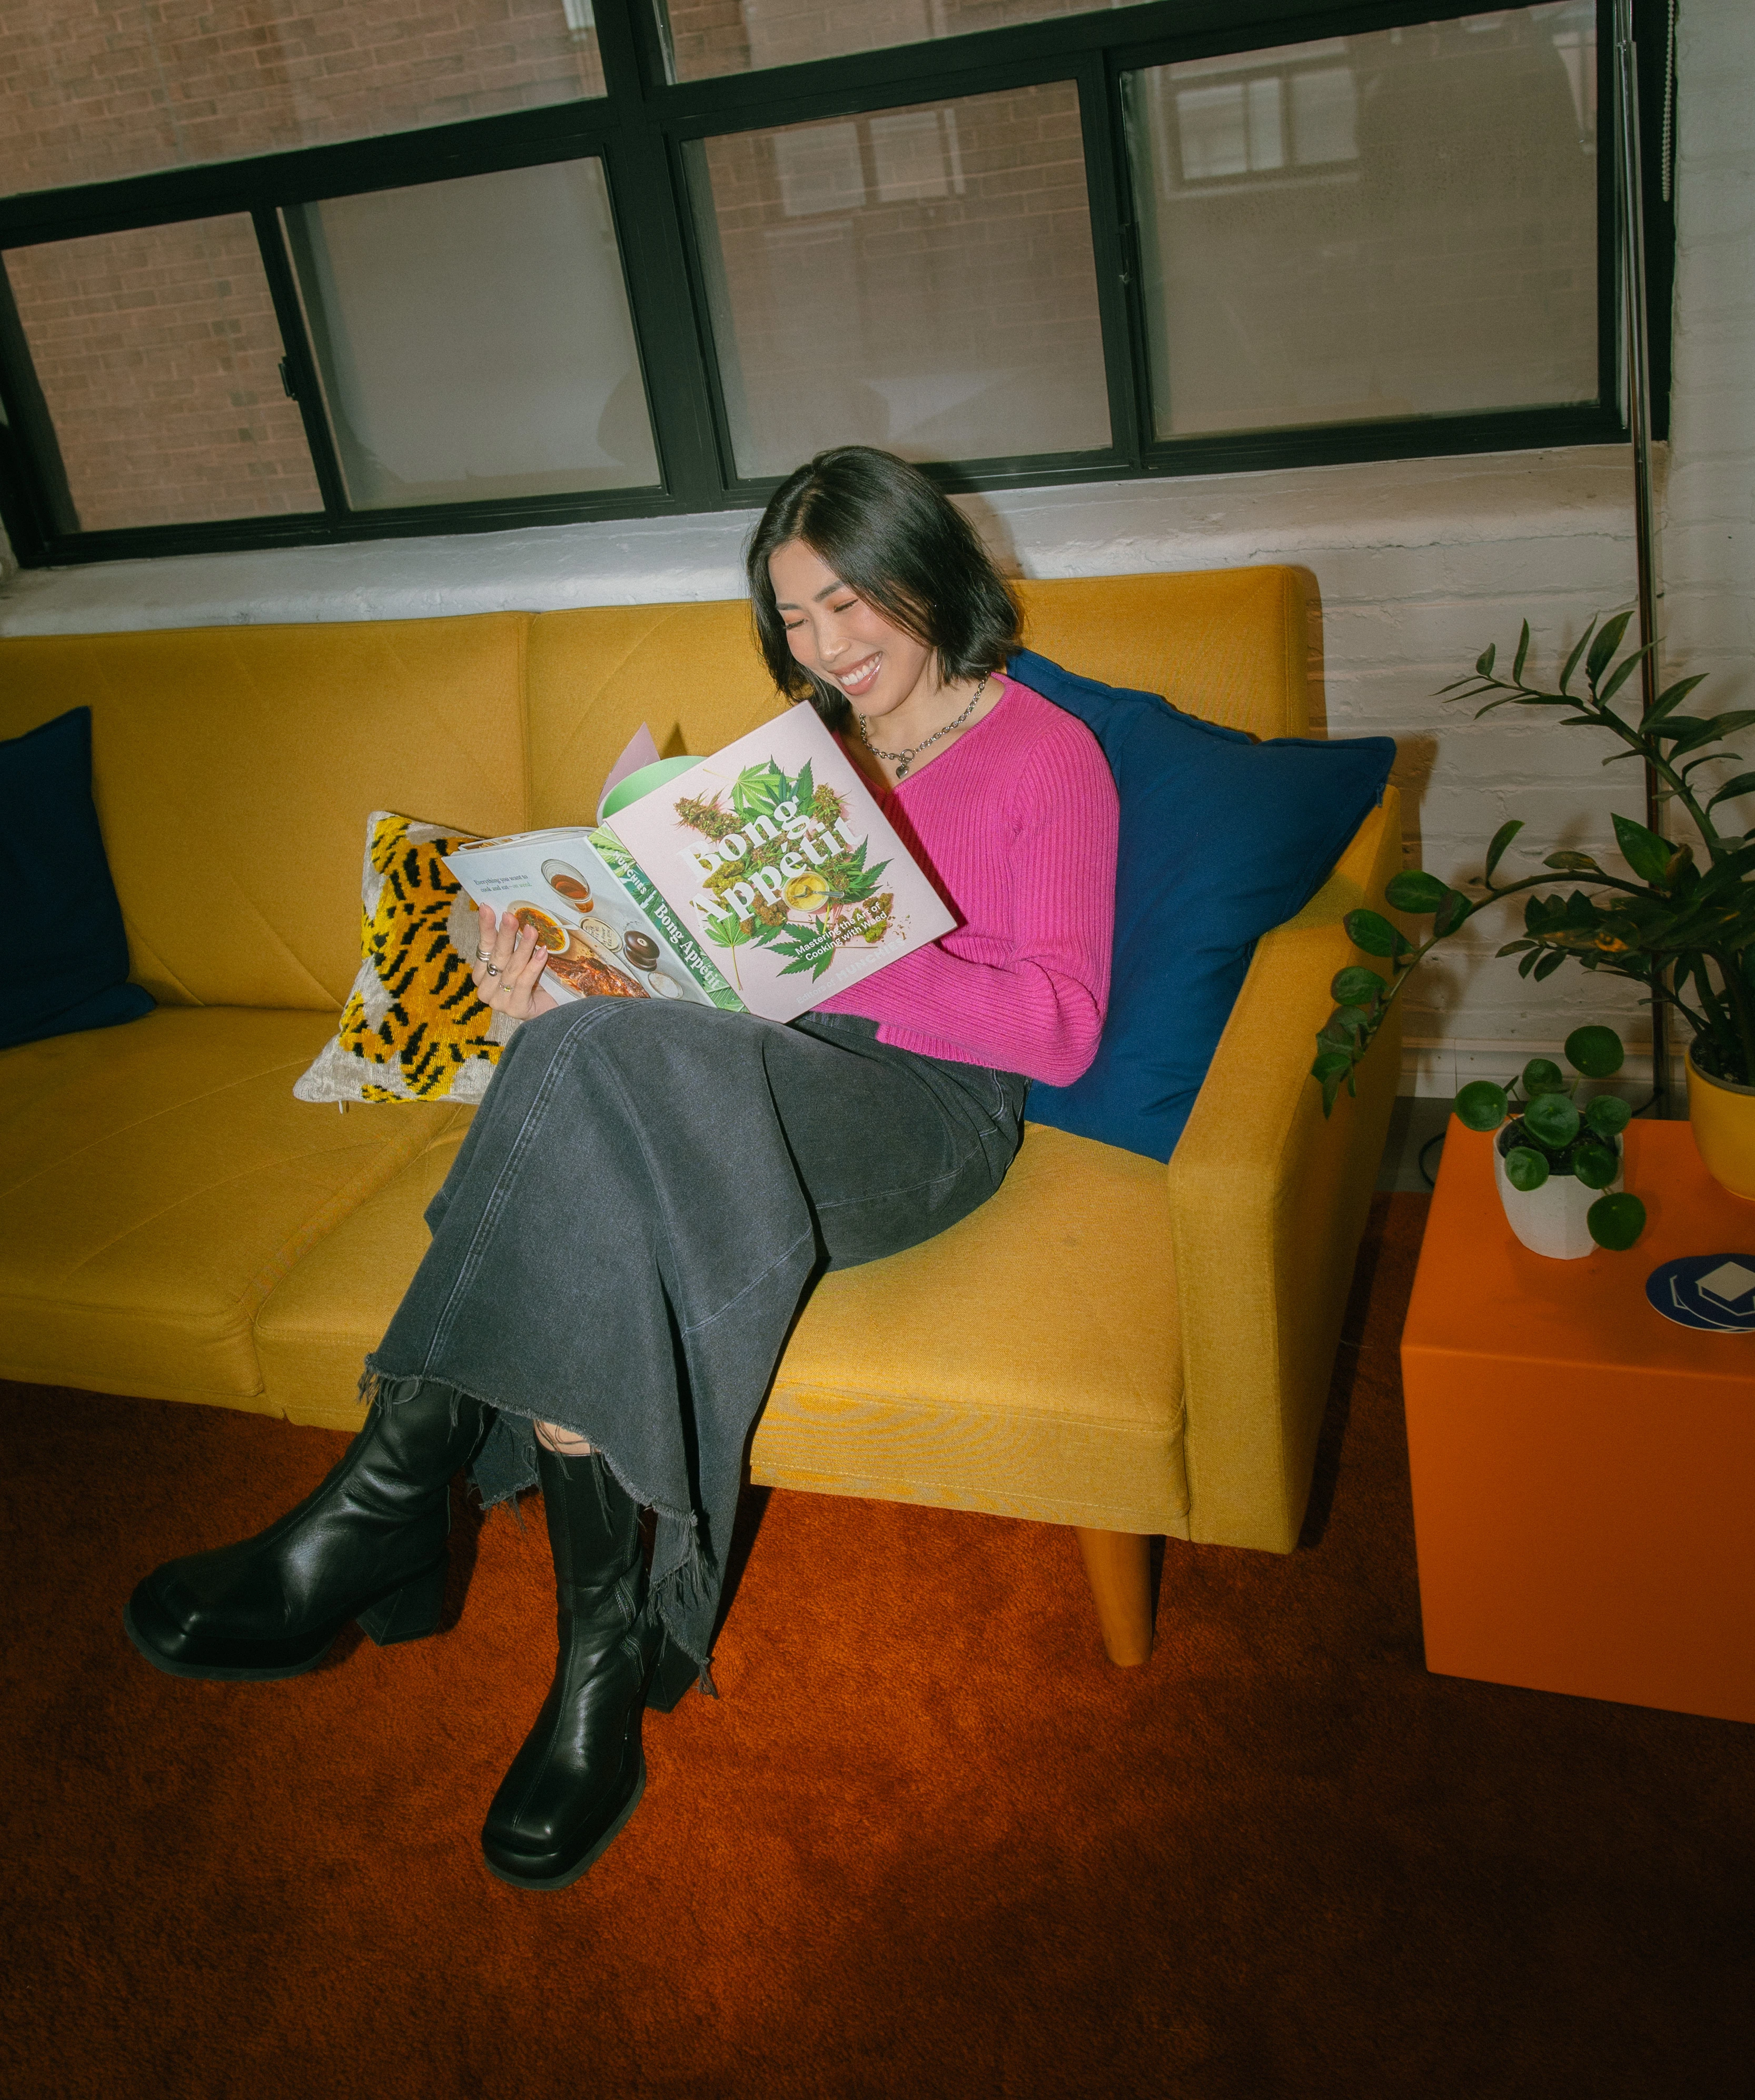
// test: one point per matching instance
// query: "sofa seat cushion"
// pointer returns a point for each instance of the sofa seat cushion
(1028, 1361)
(159, 1180)
(1036, 1341)
(315, 1329)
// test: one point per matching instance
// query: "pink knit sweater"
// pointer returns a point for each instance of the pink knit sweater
(1016, 825)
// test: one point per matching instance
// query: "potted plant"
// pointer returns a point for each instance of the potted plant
(1558, 1167)
(1681, 924)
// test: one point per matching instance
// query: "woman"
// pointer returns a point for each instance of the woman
(701, 1169)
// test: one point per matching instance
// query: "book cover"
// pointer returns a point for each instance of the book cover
(775, 855)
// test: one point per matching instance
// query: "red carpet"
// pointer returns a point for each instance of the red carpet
(927, 1843)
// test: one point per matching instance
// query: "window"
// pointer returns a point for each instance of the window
(377, 267)
(1402, 224)
(814, 235)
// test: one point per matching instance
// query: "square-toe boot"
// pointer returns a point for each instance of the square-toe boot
(370, 1544)
(581, 1772)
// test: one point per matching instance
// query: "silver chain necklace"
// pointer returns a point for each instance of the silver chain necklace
(903, 761)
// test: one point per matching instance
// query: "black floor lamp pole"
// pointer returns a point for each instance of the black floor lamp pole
(1630, 216)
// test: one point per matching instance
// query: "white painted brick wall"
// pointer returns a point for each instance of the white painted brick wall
(1419, 564)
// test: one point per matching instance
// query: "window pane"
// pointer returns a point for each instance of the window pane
(921, 279)
(89, 92)
(474, 339)
(158, 356)
(1398, 224)
(703, 38)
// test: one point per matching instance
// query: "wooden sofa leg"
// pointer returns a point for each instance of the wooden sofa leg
(1118, 1567)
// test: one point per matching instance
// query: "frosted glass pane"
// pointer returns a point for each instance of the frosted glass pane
(920, 280)
(474, 339)
(705, 37)
(90, 88)
(1398, 224)
(158, 357)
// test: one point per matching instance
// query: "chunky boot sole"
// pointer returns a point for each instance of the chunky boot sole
(410, 1611)
(567, 1875)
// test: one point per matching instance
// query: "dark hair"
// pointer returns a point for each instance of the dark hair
(889, 534)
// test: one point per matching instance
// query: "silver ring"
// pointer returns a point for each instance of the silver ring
(484, 954)
(491, 971)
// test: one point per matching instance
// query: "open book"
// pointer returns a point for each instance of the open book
(761, 879)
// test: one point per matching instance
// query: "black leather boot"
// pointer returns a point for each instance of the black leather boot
(580, 1773)
(368, 1545)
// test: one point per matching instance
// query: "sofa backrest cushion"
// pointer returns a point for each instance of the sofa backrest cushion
(1228, 644)
(234, 768)
(690, 673)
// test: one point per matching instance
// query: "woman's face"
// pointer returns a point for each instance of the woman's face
(847, 643)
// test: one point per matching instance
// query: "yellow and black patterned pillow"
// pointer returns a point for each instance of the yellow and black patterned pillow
(412, 1028)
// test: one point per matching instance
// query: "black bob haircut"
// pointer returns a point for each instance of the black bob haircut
(890, 535)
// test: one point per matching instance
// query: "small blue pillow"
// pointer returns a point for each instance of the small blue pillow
(68, 967)
(1222, 839)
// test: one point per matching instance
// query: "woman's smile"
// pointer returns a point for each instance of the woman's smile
(857, 679)
(882, 669)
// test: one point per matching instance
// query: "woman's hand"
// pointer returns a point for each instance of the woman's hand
(508, 963)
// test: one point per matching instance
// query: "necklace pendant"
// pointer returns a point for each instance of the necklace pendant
(901, 773)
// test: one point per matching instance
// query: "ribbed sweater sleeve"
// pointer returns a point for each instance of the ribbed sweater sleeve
(1016, 824)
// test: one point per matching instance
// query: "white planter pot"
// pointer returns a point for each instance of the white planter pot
(1550, 1220)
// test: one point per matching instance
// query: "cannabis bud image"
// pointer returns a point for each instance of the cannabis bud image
(784, 870)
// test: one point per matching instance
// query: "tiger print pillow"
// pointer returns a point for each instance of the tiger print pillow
(412, 1028)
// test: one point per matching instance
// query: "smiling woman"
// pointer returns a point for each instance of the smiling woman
(874, 598)
(703, 1168)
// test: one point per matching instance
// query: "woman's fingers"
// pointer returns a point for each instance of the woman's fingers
(508, 963)
(485, 930)
(507, 966)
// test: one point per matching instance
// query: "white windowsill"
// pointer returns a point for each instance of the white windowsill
(1214, 521)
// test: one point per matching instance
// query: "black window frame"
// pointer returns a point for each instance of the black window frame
(640, 128)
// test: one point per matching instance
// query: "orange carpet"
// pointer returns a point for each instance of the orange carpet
(928, 1843)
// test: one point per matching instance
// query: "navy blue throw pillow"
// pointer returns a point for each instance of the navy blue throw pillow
(1222, 839)
(68, 968)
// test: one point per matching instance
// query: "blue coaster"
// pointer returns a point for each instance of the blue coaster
(1713, 1291)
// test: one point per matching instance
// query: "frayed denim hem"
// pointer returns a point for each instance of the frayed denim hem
(505, 1467)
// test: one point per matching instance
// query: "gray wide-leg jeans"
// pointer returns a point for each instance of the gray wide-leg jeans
(645, 1197)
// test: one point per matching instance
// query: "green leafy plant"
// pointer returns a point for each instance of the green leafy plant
(1549, 1134)
(1682, 925)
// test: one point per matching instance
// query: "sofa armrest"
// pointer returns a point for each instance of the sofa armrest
(1268, 1202)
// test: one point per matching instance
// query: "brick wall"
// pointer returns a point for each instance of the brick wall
(1414, 232)
(713, 37)
(104, 88)
(157, 353)
(922, 279)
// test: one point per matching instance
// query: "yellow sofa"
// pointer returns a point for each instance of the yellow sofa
(1106, 1345)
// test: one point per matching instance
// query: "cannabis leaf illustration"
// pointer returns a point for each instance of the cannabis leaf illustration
(805, 950)
(759, 790)
(731, 932)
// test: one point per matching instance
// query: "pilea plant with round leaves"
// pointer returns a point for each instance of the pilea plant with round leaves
(1681, 924)
(1550, 1135)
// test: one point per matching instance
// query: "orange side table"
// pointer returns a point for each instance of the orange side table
(1584, 1469)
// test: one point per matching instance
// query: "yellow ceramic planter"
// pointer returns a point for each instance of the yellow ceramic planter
(1723, 1118)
